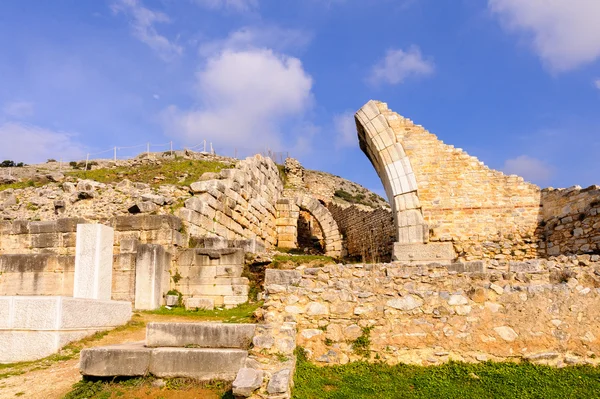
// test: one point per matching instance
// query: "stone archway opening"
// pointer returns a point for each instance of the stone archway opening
(305, 215)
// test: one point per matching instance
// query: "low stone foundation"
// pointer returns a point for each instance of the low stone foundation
(541, 310)
(33, 327)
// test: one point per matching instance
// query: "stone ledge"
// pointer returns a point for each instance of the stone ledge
(418, 253)
(203, 335)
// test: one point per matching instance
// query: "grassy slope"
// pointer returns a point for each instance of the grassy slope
(452, 380)
(172, 171)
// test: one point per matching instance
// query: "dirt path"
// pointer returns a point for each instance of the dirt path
(54, 381)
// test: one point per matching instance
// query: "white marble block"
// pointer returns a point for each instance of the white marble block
(93, 262)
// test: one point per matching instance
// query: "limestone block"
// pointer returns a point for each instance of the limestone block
(201, 335)
(282, 277)
(279, 382)
(247, 381)
(201, 364)
(93, 262)
(130, 359)
(199, 303)
(151, 263)
(231, 301)
(439, 252)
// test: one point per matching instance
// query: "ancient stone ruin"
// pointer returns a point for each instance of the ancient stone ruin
(464, 263)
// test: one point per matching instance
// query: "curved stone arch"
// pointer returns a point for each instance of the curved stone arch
(379, 142)
(331, 232)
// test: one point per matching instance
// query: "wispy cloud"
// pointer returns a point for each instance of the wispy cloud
(398, 65)
(32, 144)
(531, 169)
(345, 129)
(565, 34)
(142, 22)
(18, 109)
(251, 37)
(234, 5)
(597, 84)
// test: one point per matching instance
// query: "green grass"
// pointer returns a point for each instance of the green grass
(20, 185)
(279, 260)
(172, 171)
(111, 388)
(452, 380)
(240, 314)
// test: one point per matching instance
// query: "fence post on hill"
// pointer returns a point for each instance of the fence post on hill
(115, 155)
(148, 150)
(87, 159)
(171, 143)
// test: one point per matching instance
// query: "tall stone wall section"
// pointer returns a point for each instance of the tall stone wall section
(571, 220)
(287, 223)
(369, 234)
(238, 203)
(540, 310)
(485, 213)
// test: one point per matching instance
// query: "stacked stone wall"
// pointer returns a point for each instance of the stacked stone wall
(238, 203)
(58, 236)
(287, 222)
(50, 274)
(571, 220)
(540, 310)
(211, 274)
(37, 274)
(369, 234)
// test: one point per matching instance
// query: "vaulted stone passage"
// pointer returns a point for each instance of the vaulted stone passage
(379, 141)
(287, 222)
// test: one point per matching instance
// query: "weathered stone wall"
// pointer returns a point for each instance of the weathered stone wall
(211, 274)
(368, 233)
(571, 220)
(50, 274)
(237, 203)
(485, 213)
(37, 274)
(58, 236)
(542, 310)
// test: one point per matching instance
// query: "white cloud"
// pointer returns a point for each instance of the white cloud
(245, 98)
(272, 37)
(345, 129)
(235, 5)
(597, 84)
(142, 24)
(564, 33)
(33, 144)
(397, 65)
(529, 168)
(18, 109)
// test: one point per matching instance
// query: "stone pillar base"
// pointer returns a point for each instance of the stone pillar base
(419, 253)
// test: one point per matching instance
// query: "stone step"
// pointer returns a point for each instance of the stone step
(201, 335)
(135, 359)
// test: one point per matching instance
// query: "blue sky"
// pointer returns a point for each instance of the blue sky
(515, 83)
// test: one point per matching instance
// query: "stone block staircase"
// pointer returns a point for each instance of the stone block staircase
(203, 351)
